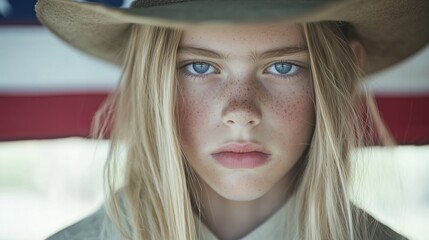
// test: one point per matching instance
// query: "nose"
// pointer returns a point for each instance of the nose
(241, 114)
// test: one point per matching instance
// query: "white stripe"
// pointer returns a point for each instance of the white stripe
(408, 77)
(33, 59)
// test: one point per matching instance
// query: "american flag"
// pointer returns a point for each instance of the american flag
(50, 90)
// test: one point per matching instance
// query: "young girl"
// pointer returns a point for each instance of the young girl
(237, 118)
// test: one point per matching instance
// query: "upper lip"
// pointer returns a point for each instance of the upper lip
(241, 147)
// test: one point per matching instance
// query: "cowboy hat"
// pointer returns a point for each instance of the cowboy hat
(390, 30)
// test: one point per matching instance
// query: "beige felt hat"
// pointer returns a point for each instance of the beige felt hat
(390, 30)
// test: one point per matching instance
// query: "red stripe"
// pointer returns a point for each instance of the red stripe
(65, 115)
(47, 116)
(406, 117)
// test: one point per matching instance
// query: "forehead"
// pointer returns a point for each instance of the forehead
(231, 38)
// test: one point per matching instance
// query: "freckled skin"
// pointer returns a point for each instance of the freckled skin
(241, 92)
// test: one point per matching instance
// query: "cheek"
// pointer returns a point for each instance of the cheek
(294, 113)
(196, 114)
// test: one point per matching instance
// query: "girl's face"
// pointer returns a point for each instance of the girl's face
(246, 99)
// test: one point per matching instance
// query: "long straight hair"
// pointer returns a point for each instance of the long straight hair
(155, 201)
(323, 194)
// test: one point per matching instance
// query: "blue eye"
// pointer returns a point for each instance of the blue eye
(283, 68)
(200, 68)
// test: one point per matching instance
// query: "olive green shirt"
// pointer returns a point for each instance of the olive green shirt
(281, 225)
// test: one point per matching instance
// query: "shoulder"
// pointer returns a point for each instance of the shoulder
(374, 229)
(379, 231)
(96, 226)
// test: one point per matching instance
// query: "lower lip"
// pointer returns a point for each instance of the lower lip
(236, 160)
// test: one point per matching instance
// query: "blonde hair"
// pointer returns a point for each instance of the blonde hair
(155, 202)
(322, 196)
(155, 193)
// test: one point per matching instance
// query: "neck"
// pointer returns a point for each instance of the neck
(229, 219)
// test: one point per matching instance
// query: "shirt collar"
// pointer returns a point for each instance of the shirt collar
(281, 225)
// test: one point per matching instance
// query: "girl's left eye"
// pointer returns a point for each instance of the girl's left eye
(200, 68)
(283, 68)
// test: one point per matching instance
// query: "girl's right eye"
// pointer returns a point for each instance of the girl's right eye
(200, 68)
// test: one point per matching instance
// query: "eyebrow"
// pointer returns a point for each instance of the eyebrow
(279, 52)
(254, 55)
(200, 52)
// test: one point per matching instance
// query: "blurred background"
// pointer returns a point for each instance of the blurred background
(51, 171)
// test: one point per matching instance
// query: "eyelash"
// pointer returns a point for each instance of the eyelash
(199, 74)
(296, 70)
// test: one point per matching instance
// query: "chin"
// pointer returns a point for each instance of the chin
(241, 190)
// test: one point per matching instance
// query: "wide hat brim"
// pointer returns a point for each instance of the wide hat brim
(390, 30)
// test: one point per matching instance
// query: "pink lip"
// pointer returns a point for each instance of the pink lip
(241, 155)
